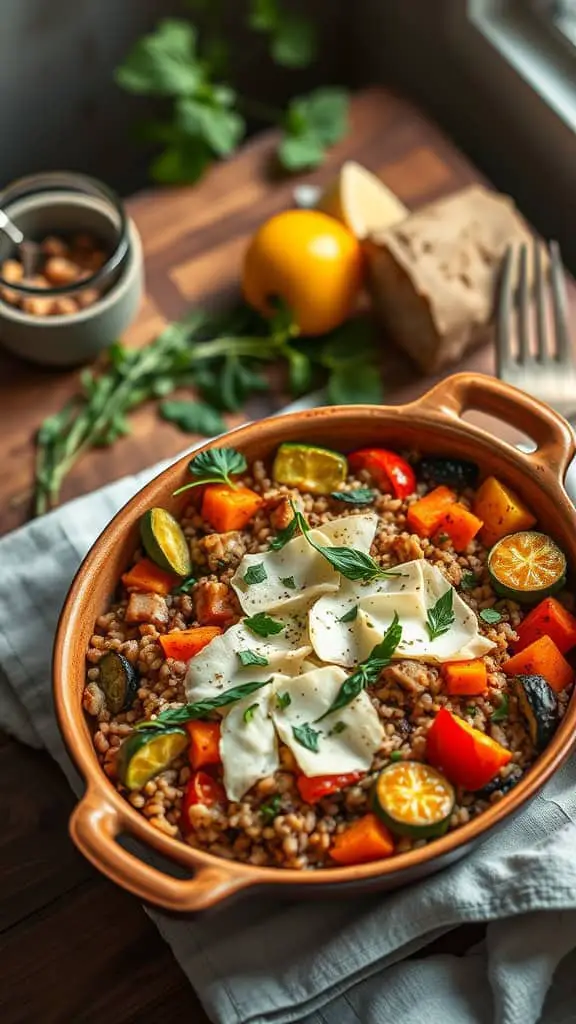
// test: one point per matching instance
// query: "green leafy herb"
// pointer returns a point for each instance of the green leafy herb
(215, 466)
(368, 671)
(283, 700)
(193, 417)
(255, 574)
(283, 536)
(349, 562)
(270, 808)
(249, 713)
(201, 708)
(491, 616)
(361, 496)
(396, 755)
(350, 615)
(469, 580)
(443, 538)
(501, 711)
(251, 658)
(337, 728)
(185, 587)
(471, 709)
(441, 616)
(263, 625)
(289, 582)
(306, 736)
(313, 123)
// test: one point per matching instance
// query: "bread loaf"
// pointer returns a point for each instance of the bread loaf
(433, 277)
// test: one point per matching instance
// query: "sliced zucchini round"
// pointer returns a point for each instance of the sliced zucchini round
(144, 754)
(309, 468)
(118, 680)
(414, 799)
(527, 566)
(538, 706)
(164, 541)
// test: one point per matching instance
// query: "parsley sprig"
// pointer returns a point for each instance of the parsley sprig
(441, 616)
(215, 466)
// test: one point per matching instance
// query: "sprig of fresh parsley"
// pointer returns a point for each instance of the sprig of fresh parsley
(263, 625)
(441, 616)
(215, 466)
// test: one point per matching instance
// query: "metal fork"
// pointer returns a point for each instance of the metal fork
(549, 373)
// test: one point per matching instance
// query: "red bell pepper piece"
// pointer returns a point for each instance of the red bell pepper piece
(389, 470)
(549, 618)
(201, 789)
(312, 790)
(204, 743)
(468, 757)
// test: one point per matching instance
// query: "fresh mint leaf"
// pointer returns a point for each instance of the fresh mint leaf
(469, 580)
(263, 625)
(193, 417)
(218, 126)
(215, 466)
(361, 496)
(491, 616)
(306, 736)
(270, 808)
(249, 713)
(283, 700)
(251, 658)
(501, 711)
(350, 615)
(201, 708)
(283, 536)
(293, 41)
(441, 616)
(163, 63)
(369, 670)
(255, 574)
(289, 582)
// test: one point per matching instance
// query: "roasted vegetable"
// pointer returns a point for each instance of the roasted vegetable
(183, 644)
(500, 785)
(549, 618)
(201, 789)
(365, 840)
(149, 578)
(144, 754)
(164, 541)
(468, 757)
(542, 658)
(389, 471)
(457, 473)
(314, 789)
(538, 706)
(414, 799)
(527, 566)
(118, 680)
(465, 678)
(229, 508)
(425, 515)
(204, 743)
(460, 525)
(501, 511)
(309, 468)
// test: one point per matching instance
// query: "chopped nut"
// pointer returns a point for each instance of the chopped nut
(61, 271)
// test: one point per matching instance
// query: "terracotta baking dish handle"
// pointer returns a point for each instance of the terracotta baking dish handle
(554, 438)
(94, 826)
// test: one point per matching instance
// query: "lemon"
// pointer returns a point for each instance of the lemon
(361, 201)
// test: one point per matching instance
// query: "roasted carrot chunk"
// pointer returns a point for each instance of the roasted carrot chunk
(149, 578)
(465, 678)
(183, 644)
(365, 840)
(549, 618)
(460, 525)
(204, 743)
(425, 514)
(229, 508)
(542, 658)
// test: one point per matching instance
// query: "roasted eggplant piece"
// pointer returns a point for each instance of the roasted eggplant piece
(458, 473)
(118, 681)
(538, 706)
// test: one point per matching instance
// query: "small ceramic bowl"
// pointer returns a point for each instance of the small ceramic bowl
(63, 203)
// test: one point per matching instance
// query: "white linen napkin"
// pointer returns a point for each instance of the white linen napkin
(261, 961)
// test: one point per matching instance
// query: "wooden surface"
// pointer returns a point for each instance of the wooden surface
(73, 947)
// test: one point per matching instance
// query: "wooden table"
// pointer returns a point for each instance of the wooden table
(73, 947)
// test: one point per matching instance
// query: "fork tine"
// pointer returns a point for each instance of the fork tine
(543, 349)
(523, 308)
(559, 306)
(504, 315)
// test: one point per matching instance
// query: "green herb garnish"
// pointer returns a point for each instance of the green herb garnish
(350, 615)
(255, 574)
(396, 755)
(185, 587)
(251, 658)
(337, 728)
(441, 616)
(201, 708)
(469, 580)
(501, 711)
(215, 466)
(263, 625)
(249, 713)
(289, 582)
(306, 736)
(491, 616)
(283, 700)
(443, 538)
(368, 671)
(283, 536)
(270, 808)
(349, 562)
(193, 417)
(471, 709)
(362, 496)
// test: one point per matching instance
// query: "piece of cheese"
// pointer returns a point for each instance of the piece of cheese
(248, 744)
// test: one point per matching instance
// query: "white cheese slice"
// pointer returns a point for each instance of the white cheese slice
(297, 561)
(217, 667)
(356, 531)
(350, 746)
(249, 749)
